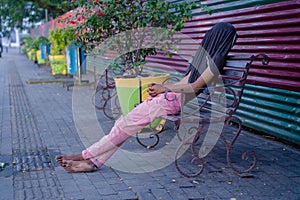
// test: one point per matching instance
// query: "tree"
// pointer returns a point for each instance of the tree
(24, 14)
(132, 29)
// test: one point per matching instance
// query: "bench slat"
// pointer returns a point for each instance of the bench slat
(236, 64)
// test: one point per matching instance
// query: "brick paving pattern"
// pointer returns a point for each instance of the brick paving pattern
(36, 124)
(33, 172)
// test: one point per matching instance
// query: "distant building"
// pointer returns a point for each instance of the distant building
(13, 40)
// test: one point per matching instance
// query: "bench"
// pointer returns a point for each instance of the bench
(104, 94)
(215, 106)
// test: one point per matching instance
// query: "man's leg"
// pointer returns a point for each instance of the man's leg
(125, 127)
(130, 124)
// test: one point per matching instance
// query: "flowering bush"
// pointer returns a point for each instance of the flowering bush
(123, 26)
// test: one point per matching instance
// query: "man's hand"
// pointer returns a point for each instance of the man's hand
(155, 89)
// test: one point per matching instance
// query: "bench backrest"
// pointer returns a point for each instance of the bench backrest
(225, 98)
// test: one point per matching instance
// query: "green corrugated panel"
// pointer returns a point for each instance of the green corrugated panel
(226, 5)
(273, 111)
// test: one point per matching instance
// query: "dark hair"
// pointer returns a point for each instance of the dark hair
(216, 44)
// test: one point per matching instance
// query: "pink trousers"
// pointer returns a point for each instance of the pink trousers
(128, 125)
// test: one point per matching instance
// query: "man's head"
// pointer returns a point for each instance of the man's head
(216, 44)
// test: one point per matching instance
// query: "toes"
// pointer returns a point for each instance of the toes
(59, 161)
(59, 157)
(77, 166)
(67, 163)
(69, 169)
(75, 157)
(67, 166)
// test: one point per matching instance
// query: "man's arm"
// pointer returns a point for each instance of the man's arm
(183, 85)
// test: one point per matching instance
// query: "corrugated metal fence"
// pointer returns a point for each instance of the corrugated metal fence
(271, 101)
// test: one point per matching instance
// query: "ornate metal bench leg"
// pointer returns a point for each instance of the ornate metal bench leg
(111, 107)
(176, 129)
(102, 93)
(148, 137)
(152, 144)
(196, 163)
(242, 171)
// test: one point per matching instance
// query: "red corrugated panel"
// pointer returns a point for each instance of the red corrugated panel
(273, 29)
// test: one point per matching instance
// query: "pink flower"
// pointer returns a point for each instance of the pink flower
(73, 1)
(100, 14)
(96, 1)
(106, 4)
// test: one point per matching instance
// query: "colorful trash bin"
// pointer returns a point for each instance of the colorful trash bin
(72, 59)
(76, 59)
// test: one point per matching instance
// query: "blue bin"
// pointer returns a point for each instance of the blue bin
(82, 61)
(48, 49)
(72, 59)
(43, 51)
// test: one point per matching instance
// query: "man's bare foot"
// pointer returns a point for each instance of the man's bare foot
(78, 166)
(74, 157)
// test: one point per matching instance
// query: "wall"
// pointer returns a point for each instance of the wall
(271, 102)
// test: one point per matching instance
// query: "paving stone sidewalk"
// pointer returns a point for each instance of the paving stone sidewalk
(40, 121)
